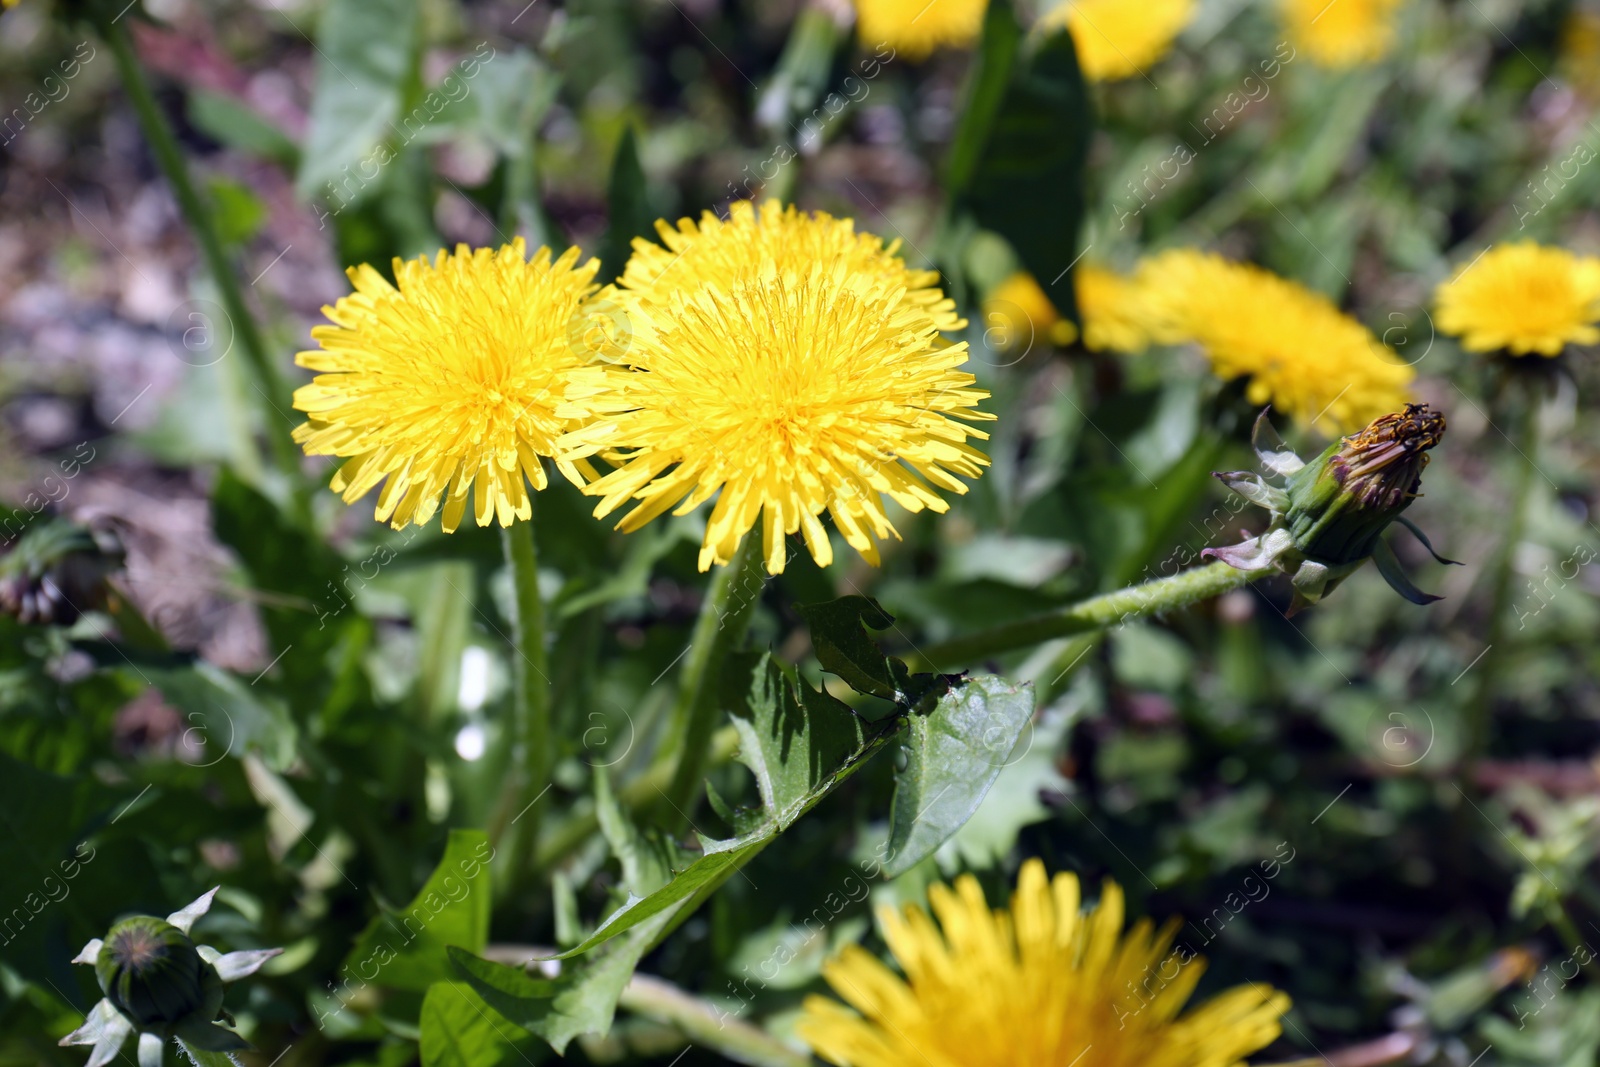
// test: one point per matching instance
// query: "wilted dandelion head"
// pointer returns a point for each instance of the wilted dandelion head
(1523, 297)
(1298, 351)
(787, 366)
(1341, 33)
(445, 385)
(1121, 38)
(918, 28)
(1037, 983)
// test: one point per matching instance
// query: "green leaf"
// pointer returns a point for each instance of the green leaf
(459, 1029)
(843, 646)
(792, 737)
(800, 744)
(226, 716)
(954, 754)
(1018, 159)
(986, 92)
(647, 859)
(229, 122)
(583, 1000)
(628, 204)
(310, 591)
(41, 850)
(405, 949)
(367, 55)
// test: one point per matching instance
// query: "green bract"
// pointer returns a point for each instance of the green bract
(151, 973)
(1328, 515)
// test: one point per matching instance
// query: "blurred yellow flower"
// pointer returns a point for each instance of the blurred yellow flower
(786, 365)
(1038, 983)
(1120, 38)
(1523, 297)
(1299, 351)
(1580, 52)
(446, 385)
(1341, 33)
(1113, 310)
(1017, 312)
(918, 28)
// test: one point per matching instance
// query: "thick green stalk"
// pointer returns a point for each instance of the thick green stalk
(724, 619)
(1088, 616)
(706, 1026)
(516, 817)
(158, 132)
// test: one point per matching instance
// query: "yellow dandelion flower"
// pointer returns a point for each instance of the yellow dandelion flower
(1299, 351)
(1580, 52)
(788, 366)
(918, 28)
(1341, 33)
(446, 385)
(1038, 983)
(1019, 312)
(1523, 297)
(726, 249)
(1120, 38)
(1113, 311)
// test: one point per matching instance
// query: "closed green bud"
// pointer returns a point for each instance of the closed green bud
(152, 973)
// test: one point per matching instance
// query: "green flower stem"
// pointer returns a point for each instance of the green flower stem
(641, 792)
(724, 620)
(158, 132)
(1480, 708)
(706, 1026)
(516, 817)
(1087, 616)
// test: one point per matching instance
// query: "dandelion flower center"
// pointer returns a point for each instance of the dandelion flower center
(782, 364)
(445, 385)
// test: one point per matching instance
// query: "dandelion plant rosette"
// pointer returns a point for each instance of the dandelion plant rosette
(788, 367)
(443, 386)
(1041, 982)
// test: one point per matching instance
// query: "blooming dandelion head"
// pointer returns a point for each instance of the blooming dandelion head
(1119, 39)
(444, 386)
(1342, 33)
(1038, 983)
(788, 367)
(1019, 313)
(1525, 298)
(918, 28)
(1298, 351)
(1112, 308)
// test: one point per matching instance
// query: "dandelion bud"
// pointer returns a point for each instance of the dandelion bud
(152, 973)
(1328, 518)
(1340, 502)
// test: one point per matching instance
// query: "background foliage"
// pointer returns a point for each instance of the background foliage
(313, 717)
